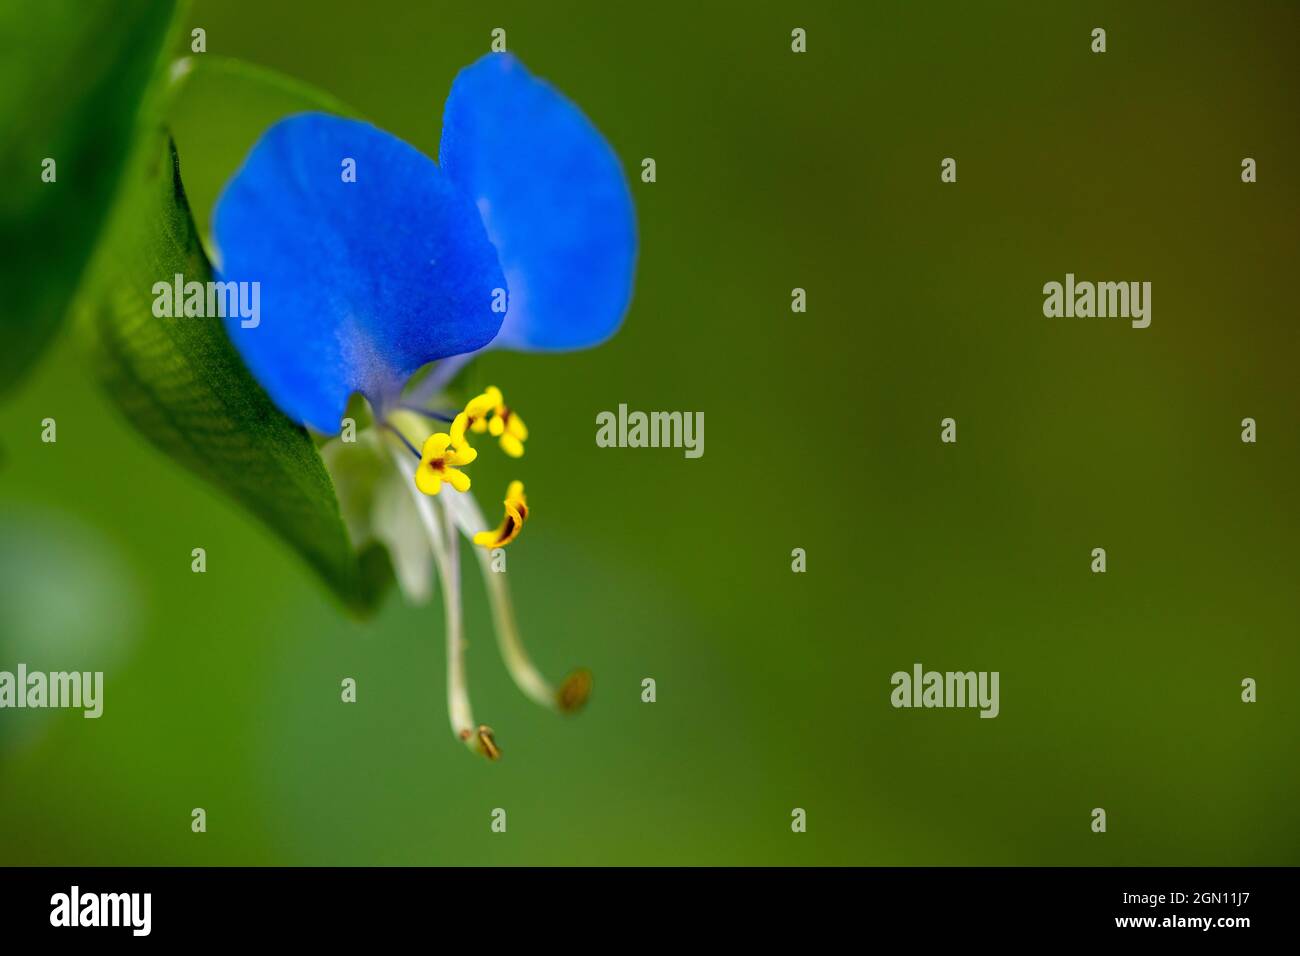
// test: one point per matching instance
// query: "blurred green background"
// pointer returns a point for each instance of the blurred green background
(775, 170)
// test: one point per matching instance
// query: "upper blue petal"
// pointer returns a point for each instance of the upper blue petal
(361, 282)
(554, 199)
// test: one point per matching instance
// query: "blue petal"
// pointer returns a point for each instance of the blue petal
(554, 199)
(361, 282)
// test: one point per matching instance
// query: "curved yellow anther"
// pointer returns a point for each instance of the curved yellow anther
(516, 514)
(438, 460)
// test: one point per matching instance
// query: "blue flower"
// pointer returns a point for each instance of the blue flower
(372, 261)
(363, 282)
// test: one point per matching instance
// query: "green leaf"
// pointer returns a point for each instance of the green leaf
(218, 109)
(73, 76)
(181, 383)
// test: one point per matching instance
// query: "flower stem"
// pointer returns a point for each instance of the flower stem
(576, 687)
(442, 539)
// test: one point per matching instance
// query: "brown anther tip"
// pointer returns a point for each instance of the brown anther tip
(487, 744)
(575, 690)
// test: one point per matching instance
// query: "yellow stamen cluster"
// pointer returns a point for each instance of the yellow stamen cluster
(474, 417)
(489, 413)
(443, 452)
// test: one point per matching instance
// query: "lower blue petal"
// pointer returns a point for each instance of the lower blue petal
(361, 283)
(554, 199)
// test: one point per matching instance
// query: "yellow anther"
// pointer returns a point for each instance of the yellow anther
(487, 743)
(474, 417)
(575, 690)
(504, 423)
(438, 461)
(510, 429)
(482, 740)
(516, 514)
